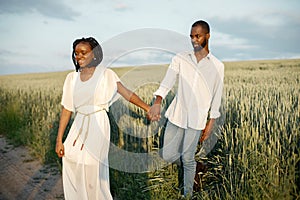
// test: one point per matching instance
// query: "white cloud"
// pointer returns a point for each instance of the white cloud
(121, 7)
(142, 57)
(53, 9)
(41, 32)
(231, 41)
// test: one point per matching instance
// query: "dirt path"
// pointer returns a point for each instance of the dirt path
(21, 177)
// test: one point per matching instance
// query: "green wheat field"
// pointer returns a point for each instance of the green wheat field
(256, 155)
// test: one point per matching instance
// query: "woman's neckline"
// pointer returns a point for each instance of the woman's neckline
(91, 77)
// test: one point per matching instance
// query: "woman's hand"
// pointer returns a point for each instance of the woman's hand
(63, 122)
(59, 149)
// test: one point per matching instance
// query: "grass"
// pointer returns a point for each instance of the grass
(256, 156)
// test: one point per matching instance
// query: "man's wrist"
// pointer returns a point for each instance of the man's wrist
(158, 100)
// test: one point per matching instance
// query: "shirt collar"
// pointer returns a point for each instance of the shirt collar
(191, 53)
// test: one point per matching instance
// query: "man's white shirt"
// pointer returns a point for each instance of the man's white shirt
(200, 87)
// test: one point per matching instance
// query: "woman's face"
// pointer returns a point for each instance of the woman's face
(83, 54)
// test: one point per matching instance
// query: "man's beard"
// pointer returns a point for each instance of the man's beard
(201, 46)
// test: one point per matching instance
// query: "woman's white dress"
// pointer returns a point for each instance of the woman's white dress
(85, 163)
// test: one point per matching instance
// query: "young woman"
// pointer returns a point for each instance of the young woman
(88, 92)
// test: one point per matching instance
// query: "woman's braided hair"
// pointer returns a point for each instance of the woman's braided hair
(95, 46)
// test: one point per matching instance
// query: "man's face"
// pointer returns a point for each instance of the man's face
(199, 38)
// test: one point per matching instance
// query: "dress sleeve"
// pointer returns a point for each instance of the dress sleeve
(67, 96)
(109, 88)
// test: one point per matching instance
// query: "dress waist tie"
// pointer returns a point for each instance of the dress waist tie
(87, 129)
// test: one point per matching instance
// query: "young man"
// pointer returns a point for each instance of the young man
(200, 84)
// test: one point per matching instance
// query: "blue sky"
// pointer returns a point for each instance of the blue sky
(37, 36)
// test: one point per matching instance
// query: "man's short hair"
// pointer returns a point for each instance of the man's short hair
(203, 24)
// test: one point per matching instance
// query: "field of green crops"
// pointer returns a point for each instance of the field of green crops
(256, 155)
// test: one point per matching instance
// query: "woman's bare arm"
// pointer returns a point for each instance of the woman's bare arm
(132, 97)
(63, 122)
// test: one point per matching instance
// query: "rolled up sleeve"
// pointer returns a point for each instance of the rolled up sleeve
(217, 96)
(169, 79)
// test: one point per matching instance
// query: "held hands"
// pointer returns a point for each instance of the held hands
(154, 112)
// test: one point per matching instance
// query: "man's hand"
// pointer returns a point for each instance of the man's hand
(207, 130)
(205, 135)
